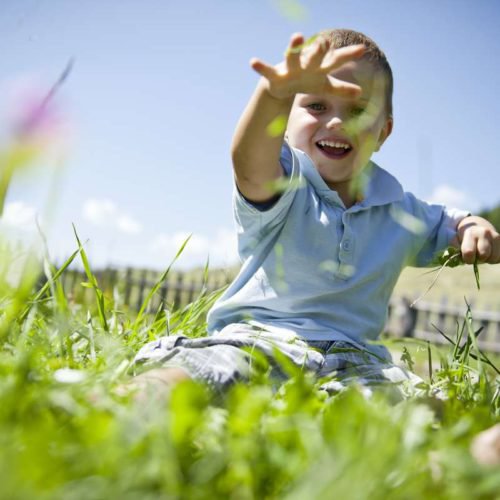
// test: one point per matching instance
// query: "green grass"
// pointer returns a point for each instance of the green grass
(65, 434)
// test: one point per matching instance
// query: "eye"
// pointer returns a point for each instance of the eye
(316, 106)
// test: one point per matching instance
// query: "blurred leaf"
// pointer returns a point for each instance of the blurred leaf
(292, 10)
(277, 126)
(407, 221)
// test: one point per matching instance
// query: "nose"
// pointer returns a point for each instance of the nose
(334, 123)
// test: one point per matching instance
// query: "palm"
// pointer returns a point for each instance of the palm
(307, 69)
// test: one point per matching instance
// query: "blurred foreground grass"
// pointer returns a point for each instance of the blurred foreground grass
(64, 433)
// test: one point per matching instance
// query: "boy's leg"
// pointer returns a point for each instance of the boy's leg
(155, 383)
(164, 366)
(220, 360)
(162, 377)
(371, 369)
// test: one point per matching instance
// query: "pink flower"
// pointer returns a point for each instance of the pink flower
(36, 115)
(35, 118)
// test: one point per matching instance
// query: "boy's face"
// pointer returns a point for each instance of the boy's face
(340, 134)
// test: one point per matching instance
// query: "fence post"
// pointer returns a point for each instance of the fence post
(178, 291)
(402, 318)
(112, 279)
(164, 293)
(441, 317)
(192, 290)
(128, 286)
(142, 286)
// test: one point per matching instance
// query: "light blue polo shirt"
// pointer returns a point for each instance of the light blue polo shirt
(325, 272)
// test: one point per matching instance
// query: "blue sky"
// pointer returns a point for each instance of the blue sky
(157, 87)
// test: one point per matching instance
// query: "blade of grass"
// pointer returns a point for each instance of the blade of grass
(205, 273)
(440, 270)
(473, 335)
(46, 287)
(483, 356)
(429, 360)
(55, 286)
(476, 274)
(158, 284)
(460, 333)
(93, 281)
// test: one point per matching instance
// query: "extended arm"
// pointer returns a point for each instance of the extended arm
(255, 152)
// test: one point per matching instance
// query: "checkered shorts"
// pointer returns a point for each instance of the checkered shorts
(232, 355)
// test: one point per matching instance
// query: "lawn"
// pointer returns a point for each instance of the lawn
(65, 432)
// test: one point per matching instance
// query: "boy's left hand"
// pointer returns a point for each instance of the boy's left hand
(478, 241)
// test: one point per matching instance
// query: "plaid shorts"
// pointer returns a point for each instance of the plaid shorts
(231, 355)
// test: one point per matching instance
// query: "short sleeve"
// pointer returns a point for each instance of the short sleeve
(441, 227)
(253, 222)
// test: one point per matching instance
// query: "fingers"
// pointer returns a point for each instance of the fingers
(315, 53)
(495, 250)
(338, 57)
(292, 59)
(342, 88)
(468, 247)
(306, 68)
(265, 70)
(482, 245)
(293, 52)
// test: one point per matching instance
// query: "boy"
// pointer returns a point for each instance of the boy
(323, 232)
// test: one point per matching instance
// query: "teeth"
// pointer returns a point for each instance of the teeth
(333, 144)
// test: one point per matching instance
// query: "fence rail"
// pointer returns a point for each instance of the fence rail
(133, 286)
(423, 321)
(426, 320)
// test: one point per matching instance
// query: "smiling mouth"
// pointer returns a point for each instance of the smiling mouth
(334, 149)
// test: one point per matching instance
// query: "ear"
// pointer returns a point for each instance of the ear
(385, 132)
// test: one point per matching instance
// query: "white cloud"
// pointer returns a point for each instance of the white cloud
(21, 239)
(453, 198)
(99, 212)
(225, 246)
(220, 248)
(19, 215)
(105, 213)
(128, 225)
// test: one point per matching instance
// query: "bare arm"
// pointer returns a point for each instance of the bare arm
(255, 152)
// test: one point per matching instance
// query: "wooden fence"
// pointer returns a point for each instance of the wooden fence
(133, 286)
(426, 320)
(422, 321)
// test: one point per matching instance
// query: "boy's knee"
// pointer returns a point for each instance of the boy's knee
(155, 383)
(164, 376)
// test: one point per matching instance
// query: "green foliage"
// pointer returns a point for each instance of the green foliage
(65, 433)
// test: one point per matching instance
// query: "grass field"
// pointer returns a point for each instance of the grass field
(65, 433)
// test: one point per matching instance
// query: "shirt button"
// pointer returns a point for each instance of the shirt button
(346, 245)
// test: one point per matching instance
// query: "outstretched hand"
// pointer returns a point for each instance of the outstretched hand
(306, 69)
(478, 241)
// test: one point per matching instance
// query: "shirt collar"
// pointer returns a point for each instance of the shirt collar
(380, 187)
